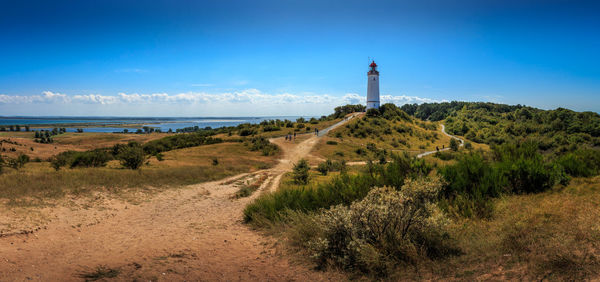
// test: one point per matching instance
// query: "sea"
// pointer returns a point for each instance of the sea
(118, 124)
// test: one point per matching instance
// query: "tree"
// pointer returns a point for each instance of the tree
(58, 161)
(453, 144)
(300, 173)
(131, 156)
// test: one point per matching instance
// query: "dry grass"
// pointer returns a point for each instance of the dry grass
(553, 235)
(66, 142)
(180, 167)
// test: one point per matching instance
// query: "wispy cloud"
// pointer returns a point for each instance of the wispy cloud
(202, 85)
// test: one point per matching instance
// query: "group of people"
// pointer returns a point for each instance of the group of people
(289, 137)
(292, 137)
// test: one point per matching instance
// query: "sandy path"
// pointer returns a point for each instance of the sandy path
(193, 233)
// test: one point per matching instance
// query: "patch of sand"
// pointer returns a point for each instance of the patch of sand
(193, 233)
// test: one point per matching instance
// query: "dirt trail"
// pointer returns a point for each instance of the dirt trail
(192, 233)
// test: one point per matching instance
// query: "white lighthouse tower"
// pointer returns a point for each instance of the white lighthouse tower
(373, 87)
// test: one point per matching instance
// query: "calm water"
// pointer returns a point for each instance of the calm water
(115, 124)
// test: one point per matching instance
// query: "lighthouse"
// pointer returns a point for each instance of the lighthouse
(373, 87)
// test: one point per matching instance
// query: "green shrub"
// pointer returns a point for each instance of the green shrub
(323, 168)
(94, 158)
(341, 189)
(262, 144)
(470, 185)
(131, 155)
(386, 228)
(331, 142)
(300, 172)
(581, 163)
(453, 144)
(180, 141)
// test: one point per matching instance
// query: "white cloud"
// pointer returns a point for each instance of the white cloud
(247, 96)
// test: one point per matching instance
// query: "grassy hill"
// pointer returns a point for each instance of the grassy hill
(373, 136)
(522, 208)
(557, 130)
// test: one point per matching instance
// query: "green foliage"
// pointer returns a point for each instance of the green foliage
(94, 158)
(453, 144)
(581, 163)
(262, 144)
(512, 169)
(180, 141)
(470, 184)
(557, 130)
(300, 172)
(373, 112)
(386, 228)
(341, 189)
(341, 111)
(131, 156)
(331, 142)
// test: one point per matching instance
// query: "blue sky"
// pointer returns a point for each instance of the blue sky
(285, 57)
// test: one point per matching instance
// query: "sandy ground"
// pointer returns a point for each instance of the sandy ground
(193, 233)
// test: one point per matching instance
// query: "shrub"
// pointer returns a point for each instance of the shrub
(581, 163)
(331, 142)
(131, 156)
(215, 161)
(94, 158)
(453, 144)
(160, 157)
(341, 189)
(262, 144)
(386, 228)
(323, 168)
(300, 173)
(180, 141)
(471, 183)
(373, 112)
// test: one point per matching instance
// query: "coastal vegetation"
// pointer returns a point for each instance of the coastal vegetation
(497, 202)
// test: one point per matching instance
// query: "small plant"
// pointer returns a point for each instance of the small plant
(331, 142)
(160, 157)
(323, 168)
(453, 144)
(100, 272)
(300, 173)
(215, 161)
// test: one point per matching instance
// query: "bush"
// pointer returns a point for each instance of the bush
(300, 172)
(581, 163)
(131, 156)
(453, 144)
(331, 142)
(341, 189)
(323, 168)
(94, 158)
(262, 144)
(180, 141)
(386, 228)
(373, 112)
